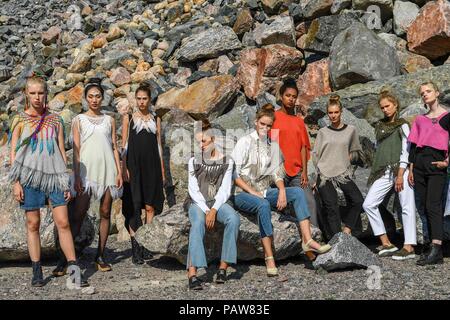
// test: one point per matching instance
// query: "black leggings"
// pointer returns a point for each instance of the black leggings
(429, 182)
(130, 212)
(330, 206)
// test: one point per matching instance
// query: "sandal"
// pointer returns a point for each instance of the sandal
(271, 272)
(102, 265)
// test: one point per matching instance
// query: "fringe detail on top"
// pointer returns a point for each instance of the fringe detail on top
(45, 182)
(374, 176)
(96, 190)
(340, 179)
(141, 124)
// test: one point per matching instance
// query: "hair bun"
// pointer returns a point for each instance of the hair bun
(334, 98)
(290, 82)
(385, 91)
(95, 81)
(268, 107)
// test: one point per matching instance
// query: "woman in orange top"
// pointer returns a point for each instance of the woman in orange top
(292, 136)
(290, 132)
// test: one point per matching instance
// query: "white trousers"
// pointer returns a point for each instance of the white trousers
(376, 195)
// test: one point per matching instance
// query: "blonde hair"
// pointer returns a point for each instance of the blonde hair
(386, 94)
(266, 110)
(34, 79)
(429, 83)
(334, 100)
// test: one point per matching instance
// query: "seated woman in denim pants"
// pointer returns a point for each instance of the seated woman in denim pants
(259, 163)
(210, 182)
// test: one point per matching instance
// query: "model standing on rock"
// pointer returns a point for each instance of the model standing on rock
(335, 148)
(428, 156)
(39, 173)
(96, 164)
(390, 170)
(259, 163)
(143, 168)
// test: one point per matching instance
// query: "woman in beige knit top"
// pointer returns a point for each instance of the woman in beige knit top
(334, 149)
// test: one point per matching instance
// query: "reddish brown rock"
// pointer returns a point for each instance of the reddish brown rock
(99, 41)
(429, 34)
(74, 97)
(142, 66)
(129, 64)
(301, 29)
(263, 69)
(205, 97)
(244, 22)
(51, 35)
(81, 63)
(114, 33)
(120, 76)
(209, 65)
(412, 62)
(58, 102)
(122, 91)
(313, 83)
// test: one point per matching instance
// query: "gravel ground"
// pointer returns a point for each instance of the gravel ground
(165, 278)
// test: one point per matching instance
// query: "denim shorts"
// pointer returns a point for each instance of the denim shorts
(36, 199)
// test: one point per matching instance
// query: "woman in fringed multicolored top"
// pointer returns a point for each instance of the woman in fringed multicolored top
(39, 174)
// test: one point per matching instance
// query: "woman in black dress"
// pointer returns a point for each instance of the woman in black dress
(143, 168)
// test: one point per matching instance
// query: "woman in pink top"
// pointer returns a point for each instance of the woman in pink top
(429, 160)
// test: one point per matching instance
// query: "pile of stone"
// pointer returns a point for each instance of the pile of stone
(222, 59)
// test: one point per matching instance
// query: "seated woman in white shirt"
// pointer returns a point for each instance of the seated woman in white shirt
(259, 164)
(210, 182)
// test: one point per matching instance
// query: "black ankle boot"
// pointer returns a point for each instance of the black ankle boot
(145, 253)
(61, 266)
(425, 251)
(71, 266)
(38, 278)
(434, 257)
(136, 252)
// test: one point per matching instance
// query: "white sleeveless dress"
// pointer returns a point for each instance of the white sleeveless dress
(98, 170)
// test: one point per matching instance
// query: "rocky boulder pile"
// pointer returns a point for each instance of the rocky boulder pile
(222, 59)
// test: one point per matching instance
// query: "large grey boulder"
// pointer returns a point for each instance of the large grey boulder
(324, 30)
(280, 30)
(358, 55)
(405, 13)
(168, 235)
(210, 43)
(362, 99)
(346, 252)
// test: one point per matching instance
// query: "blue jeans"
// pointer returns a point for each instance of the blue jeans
(35, 199)
(262, 207)
(225, 215)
